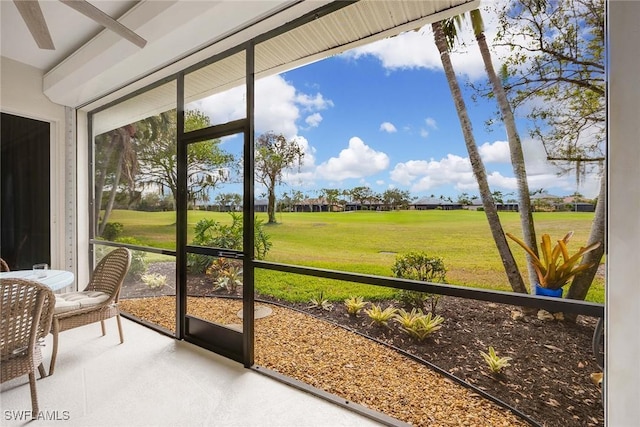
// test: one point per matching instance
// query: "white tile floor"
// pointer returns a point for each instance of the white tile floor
(153, 380)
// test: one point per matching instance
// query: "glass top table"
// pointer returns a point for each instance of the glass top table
(54, 279)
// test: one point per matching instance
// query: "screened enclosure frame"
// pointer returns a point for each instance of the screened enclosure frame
(243, 347)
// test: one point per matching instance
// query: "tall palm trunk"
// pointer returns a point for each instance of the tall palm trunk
(509, 263)
(582, 281)
(515, 145)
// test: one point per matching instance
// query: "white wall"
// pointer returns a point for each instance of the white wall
(623, 257)
(21, 90)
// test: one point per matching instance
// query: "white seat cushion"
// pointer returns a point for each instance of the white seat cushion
(75, 300)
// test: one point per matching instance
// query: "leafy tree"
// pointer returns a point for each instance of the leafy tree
(210, 233)
(297, 197)
(443, 32)
(233, 200)
(116, 164)
(153, 202)
(395, 198)
(207, 164)
(466, 200)
(331, 195)
(556, 68)
(362, 195)
(285, 203)
(274, 154)
(498, 197)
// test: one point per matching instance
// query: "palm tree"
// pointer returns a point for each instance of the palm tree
(444, 41)
(515, 146)
(582, 281)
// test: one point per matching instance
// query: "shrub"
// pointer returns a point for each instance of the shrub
(154, 202)
(138, 263)
(354, 305)
(211, 233)
(154, 280)
(319, 301)
(419, 325)
(112, 230)
(138, 258)
(418, 265)
(379, 316)
(406, 318)
(227, 274)
(495, 362)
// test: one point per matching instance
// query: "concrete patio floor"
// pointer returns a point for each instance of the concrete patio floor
(154, 380)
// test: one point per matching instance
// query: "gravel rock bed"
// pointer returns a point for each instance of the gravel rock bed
(343, 363)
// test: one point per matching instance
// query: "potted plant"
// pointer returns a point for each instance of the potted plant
(557, 266)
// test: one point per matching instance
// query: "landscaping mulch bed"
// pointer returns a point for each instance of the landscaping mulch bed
(549, 379)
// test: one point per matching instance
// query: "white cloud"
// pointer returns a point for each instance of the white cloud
(431, 123)
(388, 127)
(277, 108)
(313, 120)
(496, 152)
(222, 107)
(497, 180)
(422, 175)
(357, 161)
(312, 103)
(454, 170)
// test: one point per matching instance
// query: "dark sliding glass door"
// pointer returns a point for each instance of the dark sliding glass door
(25, 192)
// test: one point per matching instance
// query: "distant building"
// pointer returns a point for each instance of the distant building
(431, 203)
(583, 207)
(508, 207)
(261, 205)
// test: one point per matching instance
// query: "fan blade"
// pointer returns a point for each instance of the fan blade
(105, 20)
(33, 17)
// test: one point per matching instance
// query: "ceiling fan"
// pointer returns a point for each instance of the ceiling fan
(32, 15)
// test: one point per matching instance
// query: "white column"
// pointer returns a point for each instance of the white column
(623, 257)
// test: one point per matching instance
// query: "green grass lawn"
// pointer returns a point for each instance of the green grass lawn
(367, 242)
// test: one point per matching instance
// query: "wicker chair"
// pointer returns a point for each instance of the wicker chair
(4, 266)
(26, 310)
(98, 301)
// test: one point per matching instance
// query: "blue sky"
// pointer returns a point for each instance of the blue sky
(382, 115)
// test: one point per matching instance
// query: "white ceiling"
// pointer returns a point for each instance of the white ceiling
(69, 30)
(91, 63)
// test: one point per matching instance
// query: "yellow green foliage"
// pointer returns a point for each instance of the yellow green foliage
(495, 362)
(557, 266)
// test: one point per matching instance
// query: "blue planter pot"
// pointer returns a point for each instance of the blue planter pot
(539, 290)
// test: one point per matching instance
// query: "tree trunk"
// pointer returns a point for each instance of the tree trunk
(271, 205)
(582, 281)
(517, 157)
(99, 186)
(510, 266)
(112, 196)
